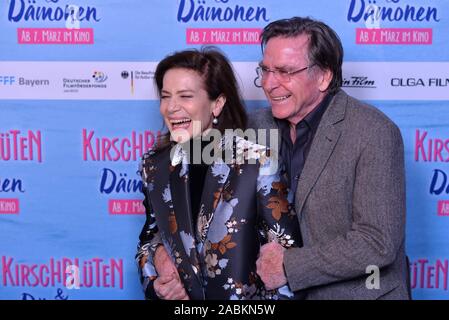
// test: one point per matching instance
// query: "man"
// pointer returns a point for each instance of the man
(345, 162)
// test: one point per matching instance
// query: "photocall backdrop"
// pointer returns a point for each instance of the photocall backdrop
(78, 109)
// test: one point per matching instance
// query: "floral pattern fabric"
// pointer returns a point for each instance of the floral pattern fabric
(243, 205)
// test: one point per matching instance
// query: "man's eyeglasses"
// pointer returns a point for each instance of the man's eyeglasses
(281, 75)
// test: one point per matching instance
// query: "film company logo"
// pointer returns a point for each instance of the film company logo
(361, 82)
(9, 80)
(99, 77)
(33, 82)
(420, 82)
(97, 81)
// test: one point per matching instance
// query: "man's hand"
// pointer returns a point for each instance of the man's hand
(270, 265)
(163, 263)
(170, 287)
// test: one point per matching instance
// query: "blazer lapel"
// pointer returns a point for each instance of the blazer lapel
(323, 144)
(172, 206)
(214, 187)
(180, 193)
(213, 192)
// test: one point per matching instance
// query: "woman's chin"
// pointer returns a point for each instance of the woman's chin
(180, 135)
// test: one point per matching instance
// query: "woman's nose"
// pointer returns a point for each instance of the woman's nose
(173, 106)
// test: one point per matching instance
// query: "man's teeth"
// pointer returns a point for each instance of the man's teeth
(281, 98)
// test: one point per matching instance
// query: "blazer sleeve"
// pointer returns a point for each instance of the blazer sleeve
(149, 240)
(378, 219)
(278, 222)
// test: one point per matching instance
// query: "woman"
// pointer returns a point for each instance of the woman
(210, 213)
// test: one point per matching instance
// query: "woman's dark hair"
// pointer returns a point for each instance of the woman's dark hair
(325, 48)
(219, 79)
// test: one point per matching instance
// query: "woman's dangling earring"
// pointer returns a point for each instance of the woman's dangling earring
(215, 120)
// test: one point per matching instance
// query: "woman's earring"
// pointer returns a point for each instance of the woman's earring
(215, 121)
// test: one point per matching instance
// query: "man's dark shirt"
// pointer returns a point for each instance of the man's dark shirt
(294, 155)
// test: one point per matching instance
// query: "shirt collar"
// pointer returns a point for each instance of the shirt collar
(312, 120)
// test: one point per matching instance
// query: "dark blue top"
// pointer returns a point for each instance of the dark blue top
(294, 154)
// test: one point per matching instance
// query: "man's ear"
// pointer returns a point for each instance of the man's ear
(325, 79)
(218, 105)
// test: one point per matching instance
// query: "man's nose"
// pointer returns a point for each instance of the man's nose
(269, 81)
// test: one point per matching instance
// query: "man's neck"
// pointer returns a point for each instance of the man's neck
(293, 132)
(293, 122)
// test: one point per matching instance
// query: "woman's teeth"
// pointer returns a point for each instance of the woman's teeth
(180, 123)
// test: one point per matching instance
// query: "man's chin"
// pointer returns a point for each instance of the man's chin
(279, 114)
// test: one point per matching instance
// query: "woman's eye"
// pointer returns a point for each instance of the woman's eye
(187, 97)
(164, 97)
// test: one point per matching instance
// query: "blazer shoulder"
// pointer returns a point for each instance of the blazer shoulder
(148, 157)
(368, 118)
(155, 154)
(149, 161)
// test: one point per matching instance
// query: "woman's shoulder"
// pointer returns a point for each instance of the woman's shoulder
(155, 153)
(152, 159)
(149, 156)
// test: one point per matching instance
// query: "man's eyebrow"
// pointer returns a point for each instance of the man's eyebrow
(281, 68)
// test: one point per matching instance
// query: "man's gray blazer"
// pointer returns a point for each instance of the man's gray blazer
(350, 204)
